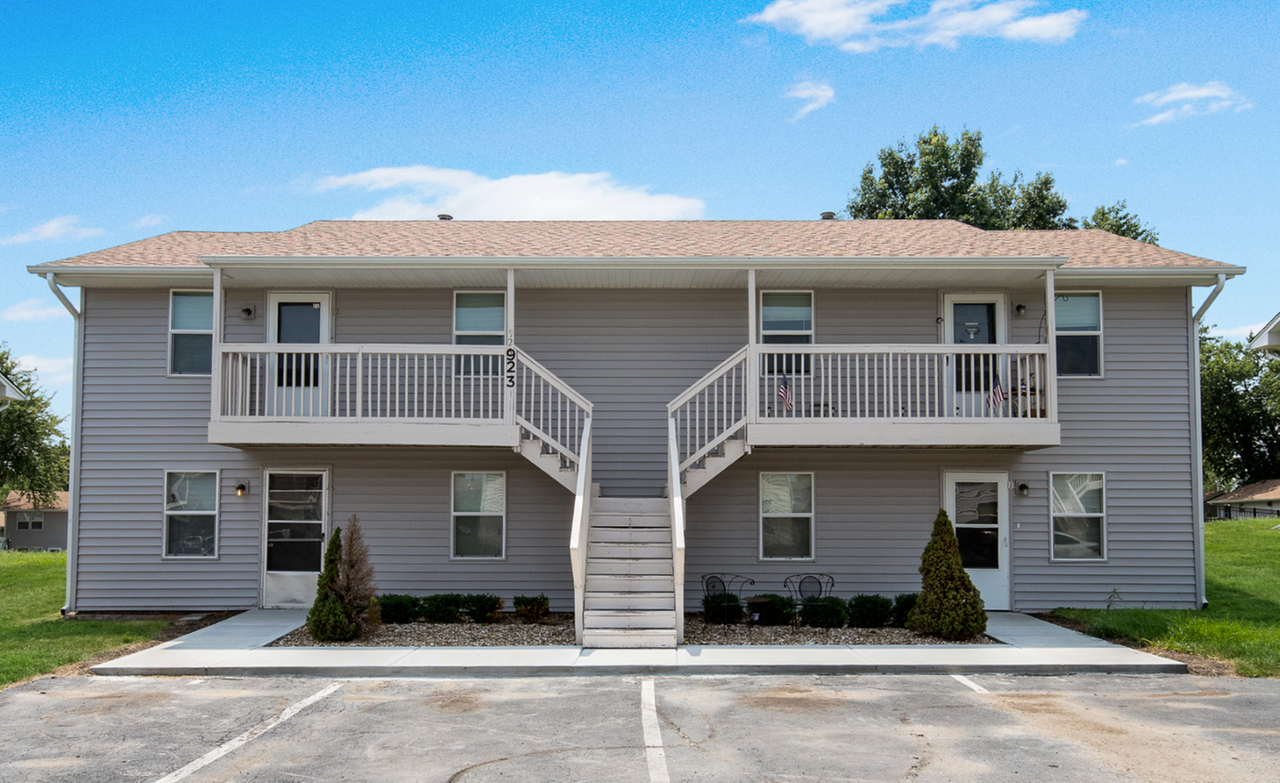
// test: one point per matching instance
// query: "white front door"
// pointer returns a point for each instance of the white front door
(973, 319)
(299, 380)
(295, 529)
(978, 504)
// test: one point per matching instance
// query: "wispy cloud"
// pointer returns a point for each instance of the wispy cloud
(34, 310)
(51, 371)
(861, 26)
(65, 227)
(1122, 162)
(1192, 100)
(148, 221)
(818, 94)
(554, 195)
(1237, 332)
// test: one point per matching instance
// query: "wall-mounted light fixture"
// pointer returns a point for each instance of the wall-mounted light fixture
(248, 312)
(1020, 309)
(1024, 490)
(242, 489)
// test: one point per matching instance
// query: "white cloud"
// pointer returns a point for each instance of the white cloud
(1237, 332)
(1122, 162)
(554, 195)
(867, 25)
(1192, 100)
(34, 310)
(57, 228)
(51, 371)
(147, 221)
(818, 94)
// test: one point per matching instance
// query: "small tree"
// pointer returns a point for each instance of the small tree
(949, 606)
(328, 620)
(354, 585)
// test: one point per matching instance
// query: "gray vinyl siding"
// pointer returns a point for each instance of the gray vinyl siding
(53, 533)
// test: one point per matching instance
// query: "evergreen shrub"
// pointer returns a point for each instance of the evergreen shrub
(774, 610)
(829, 612)
(902, 606)
(398, 609)
(949, 606)
(328, 621)
(483, 607)
(531, 608)
(442, 608)
(870, 611)
(722, 608)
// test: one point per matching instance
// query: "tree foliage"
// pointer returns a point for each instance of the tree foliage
(949, 605)
(1118, 220)
(1240, 419)
(344, 607)
(34, 456)
(327, 621)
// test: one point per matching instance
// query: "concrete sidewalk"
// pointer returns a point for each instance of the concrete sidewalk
(236, 647)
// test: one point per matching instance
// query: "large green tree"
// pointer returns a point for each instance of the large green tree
(1118, 220)
(1240, 402)
(33, 451)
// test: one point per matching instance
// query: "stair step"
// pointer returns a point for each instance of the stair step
(616, 601)
(602, 566)
(629, 551)
(616, 618)
(614, 638)
(617, 583)
(632, 535)
(599, 519)
(631, 505)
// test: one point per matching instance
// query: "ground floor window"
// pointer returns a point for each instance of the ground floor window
(479, 515)
(786, 516)
(191, 514)
(1079, 516)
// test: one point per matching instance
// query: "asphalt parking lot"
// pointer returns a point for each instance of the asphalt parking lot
(730, 728)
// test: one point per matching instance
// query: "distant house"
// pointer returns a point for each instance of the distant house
(1261, 499)
(28, 528)
(1269, 338)
(9, 393)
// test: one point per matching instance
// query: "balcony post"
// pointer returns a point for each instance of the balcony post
(1050, 384)
(753, 356)
(215, 352)
(508, 379)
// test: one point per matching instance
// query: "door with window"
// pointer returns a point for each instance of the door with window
(294, 535)
(978, 504)
(974, 319)
(299, 379)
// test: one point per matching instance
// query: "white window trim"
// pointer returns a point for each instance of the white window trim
(1106, 546)
(168, 361)
(506, 495)
(1102, 341)
(501, 334)
(813, 515)
(217, 515)
(813, 314)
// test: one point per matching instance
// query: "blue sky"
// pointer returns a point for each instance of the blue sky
(122, 120)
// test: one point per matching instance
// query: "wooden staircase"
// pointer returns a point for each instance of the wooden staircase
(630, 598)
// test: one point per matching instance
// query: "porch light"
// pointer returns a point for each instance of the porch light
(1020, 309)
(242, 489)
(1024, 490)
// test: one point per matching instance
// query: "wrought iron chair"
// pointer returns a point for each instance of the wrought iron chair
(809, 587)
(724, 584)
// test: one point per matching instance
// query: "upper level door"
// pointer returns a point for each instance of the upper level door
(299, 379)
(973, 319)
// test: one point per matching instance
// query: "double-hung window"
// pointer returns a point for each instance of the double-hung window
(1079, 516)
(190, 332)
(786, 318)
(479, 515)
(31, 520)
(480, 318)
(190, 514)
(786, 516)
(1079, 333)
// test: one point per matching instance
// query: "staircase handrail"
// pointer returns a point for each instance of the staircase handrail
(706, 380)
(554, 380)
(580, 530)
(676, 496)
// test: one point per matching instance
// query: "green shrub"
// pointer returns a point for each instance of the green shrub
(870, 611)
(949, 606)
(902, 606)
(829, 612)
(722, 608)
(399, 609)
(531, 608)
(483, 607)
(774, 610)
(442, 608)
(328, 620)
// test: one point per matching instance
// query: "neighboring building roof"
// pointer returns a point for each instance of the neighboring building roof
(1268, 339)
(1252, 493)
(640, 239)
(9, 392)
(16, 501)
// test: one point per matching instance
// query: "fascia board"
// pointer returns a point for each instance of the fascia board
(1181, 275)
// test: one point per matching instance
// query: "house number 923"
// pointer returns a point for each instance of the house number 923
(511, 368)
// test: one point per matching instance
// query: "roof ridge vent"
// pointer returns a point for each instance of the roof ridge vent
(828, 216)
(445, 217)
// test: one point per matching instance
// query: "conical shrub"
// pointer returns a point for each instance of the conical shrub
(328, 620)
(949, 605)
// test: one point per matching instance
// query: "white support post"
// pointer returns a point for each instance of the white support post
(508, 360)
(1050, 384)
(215, 360)
(753, 355)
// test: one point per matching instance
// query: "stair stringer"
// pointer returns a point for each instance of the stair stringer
(713, 465)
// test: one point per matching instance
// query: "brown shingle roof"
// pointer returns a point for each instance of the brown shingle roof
(1260, 491)
(16, 501)
(631, 239)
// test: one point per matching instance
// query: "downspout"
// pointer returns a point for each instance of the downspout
(73, 488)
(1197, 444)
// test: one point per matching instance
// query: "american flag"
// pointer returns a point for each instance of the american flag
(784, 393)
(996, 398)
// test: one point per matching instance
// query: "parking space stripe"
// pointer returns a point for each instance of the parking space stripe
(248, 736)
(653, 752)
(960, 678)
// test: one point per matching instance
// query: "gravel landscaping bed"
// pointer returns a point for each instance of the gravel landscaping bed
(558, 630)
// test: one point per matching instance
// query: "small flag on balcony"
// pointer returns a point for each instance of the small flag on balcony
(996, 398)
(784, 393)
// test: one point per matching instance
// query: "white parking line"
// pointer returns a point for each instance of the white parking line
(249, 735)
(960, 678)
(653, 751)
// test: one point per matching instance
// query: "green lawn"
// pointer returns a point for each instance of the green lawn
(33, 638)
(1242, 621)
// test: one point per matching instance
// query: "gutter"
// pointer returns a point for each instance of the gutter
(1197, 444)
(73, 490)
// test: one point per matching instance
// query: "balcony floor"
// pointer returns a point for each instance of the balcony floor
(994, 433)
(363, 432)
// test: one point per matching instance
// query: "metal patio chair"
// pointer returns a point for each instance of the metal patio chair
(809, 587)
(724, 584)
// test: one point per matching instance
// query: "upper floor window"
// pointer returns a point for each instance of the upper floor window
(191, 333)
(190, 514)
(479, 318)
(1079, 333)
(1079, 516)
(786, 317)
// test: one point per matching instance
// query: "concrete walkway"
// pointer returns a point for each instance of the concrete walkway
(236, 647)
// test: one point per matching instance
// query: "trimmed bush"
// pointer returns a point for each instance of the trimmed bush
(483, 607)
(829, 612)
(328, 621)
(531, 608)
(949, 606)
(870, 611)
(398, 609)
(902, 606)
(442, 608)
(722, 608)
(775, 610)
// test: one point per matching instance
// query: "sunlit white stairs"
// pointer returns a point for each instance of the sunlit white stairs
(548, 459)
(697, 475)
(630, 596)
